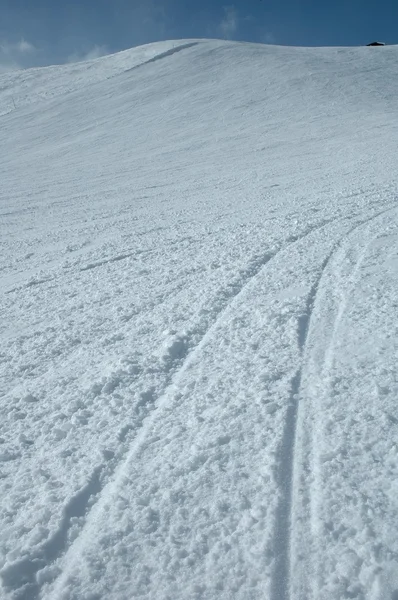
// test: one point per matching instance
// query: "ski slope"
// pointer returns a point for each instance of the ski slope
(199, 325)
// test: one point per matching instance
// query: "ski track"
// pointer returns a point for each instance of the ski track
(28, 566)
(161, 402)
(114, 476)
(282, 580)
(21, 577)
(34, 281)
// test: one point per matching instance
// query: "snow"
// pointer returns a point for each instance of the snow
(198, 287)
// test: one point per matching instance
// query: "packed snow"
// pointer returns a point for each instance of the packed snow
(199, 325)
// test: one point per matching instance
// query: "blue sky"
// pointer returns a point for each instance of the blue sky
(42, 32)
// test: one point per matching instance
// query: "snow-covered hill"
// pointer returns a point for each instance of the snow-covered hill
(199, 319)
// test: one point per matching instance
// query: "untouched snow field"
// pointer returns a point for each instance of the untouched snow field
(199, 325)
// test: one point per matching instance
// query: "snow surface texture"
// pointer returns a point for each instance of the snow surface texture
(199, 302)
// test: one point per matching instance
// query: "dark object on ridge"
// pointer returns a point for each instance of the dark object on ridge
(376, 44)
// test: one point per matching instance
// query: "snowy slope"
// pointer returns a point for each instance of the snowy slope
(198, 287)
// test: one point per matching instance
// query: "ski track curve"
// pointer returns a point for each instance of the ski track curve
(255, 267)
(22, 577)
(291, 459)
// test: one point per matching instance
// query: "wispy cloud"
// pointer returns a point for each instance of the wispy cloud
(15, 55)
(95, 52)
(21, 47)
(230, 22)
(24, 47)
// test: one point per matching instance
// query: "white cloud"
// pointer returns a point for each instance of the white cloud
(95, 52)
(23, 54)
(15, 49)
(14, 56)
(229, 23)
(25, 47)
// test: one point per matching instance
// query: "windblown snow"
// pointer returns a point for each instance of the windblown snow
(199, 319)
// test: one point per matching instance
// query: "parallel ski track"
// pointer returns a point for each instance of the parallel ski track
(70, 555)
(289, 455)
(90, 500)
